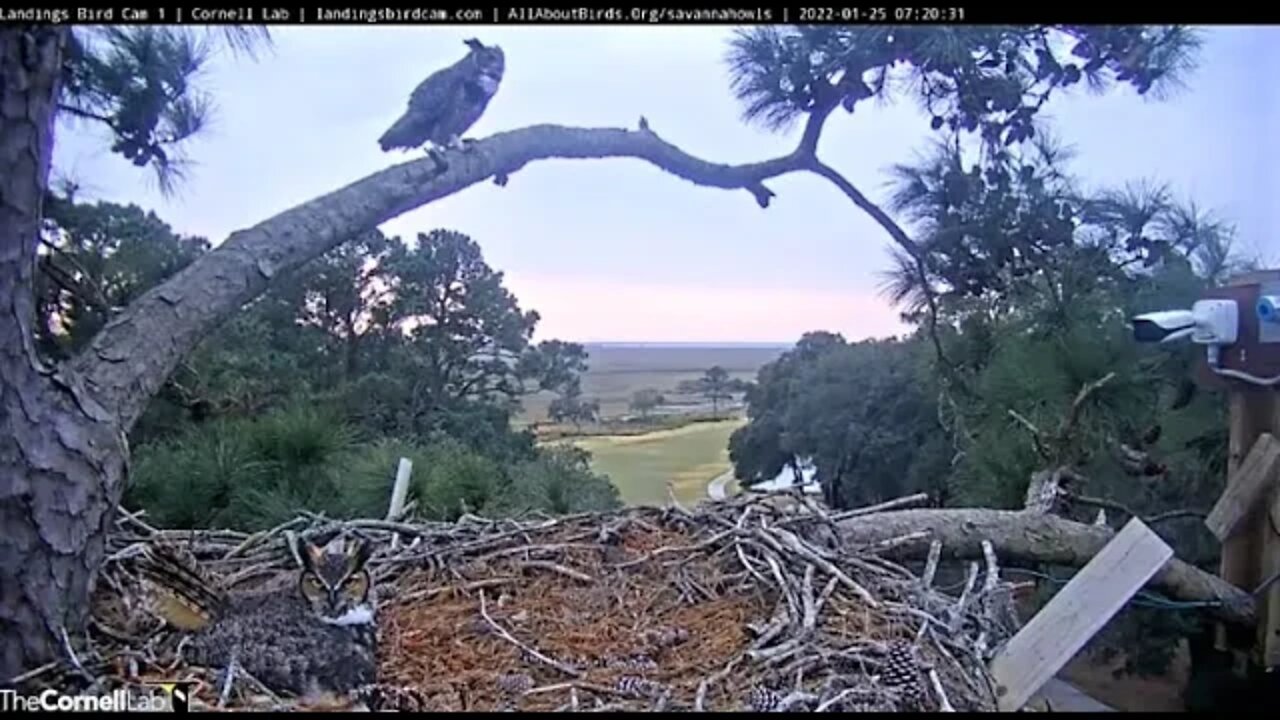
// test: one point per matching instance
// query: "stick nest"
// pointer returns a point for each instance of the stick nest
(747, 604)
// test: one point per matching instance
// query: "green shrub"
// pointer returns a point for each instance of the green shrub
(255, 474)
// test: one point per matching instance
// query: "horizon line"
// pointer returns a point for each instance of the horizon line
(701, 343)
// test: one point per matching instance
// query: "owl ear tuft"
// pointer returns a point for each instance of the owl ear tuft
(311, 555)
(359, 553)
(474, 44)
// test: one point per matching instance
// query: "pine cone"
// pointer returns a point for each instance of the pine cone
(515, 683)
(637, 663)
(390, 698)
(902, 672)
(638, 687)
(762, 699)
(666, 636)
(900, 665)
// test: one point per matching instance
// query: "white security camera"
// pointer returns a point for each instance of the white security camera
(1164, 326)
(1208, 322)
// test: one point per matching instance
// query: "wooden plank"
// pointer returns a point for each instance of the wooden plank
(1248, 487)
(1103, 586)
(1061, 696)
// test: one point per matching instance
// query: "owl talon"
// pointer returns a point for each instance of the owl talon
(442, 165)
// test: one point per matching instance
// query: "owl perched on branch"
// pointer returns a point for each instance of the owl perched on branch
(449, 102)
(313, 636)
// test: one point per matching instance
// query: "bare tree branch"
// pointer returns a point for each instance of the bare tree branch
(1121, 507)
(1073, 415)
(128, 361)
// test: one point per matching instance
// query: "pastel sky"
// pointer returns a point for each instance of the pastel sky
(620, 251)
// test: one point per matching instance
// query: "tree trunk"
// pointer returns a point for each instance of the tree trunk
(1020, 536)
(62, 456)
(352, 361)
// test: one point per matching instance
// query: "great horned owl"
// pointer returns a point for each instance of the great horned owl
(449, 102)
(311, 635)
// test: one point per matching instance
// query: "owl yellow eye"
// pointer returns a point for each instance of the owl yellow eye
(311, 585)
(356, 586)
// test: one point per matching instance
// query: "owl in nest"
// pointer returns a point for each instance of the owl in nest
(311, 635)
(449, 102)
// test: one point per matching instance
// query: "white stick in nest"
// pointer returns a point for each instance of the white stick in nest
(291, 542)
(993, 568)
(931, 565)
(944, 704)
(399, 493)
(957, 610)
(228, 682)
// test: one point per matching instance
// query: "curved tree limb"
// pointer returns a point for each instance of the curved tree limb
(1041, 538)
(126, 363)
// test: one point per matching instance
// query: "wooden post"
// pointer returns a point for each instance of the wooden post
(1080, 609)
(1249, 551)
(1254, 412)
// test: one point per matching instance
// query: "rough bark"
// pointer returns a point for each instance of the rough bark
(1033, 537)
(61, 454)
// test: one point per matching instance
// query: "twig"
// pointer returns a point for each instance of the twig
(1073, 414)
(228, 682)
(944, 704)
(135, 519)
(1036, 435)
(896, 542)
(908, 501)
(71, 654)
(32, 673)
(957, 611)
(572, 672)
(560, 569)
(993, 568)
(1122, 508)
(931, 564)
(808, 554)
(262, 537)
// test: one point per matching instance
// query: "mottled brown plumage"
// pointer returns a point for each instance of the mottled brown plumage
(314, 635)
(446, 104)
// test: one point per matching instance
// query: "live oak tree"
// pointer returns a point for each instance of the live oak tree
(63, 454)
(572, 406)
(715, 386)
(645, 400)
(864, 414)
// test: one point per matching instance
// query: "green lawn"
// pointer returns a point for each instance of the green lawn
(641, 465)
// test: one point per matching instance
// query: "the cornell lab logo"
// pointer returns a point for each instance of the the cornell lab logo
(153, 697)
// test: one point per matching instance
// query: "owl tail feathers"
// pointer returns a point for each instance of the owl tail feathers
(176, 592)
(401, 135)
